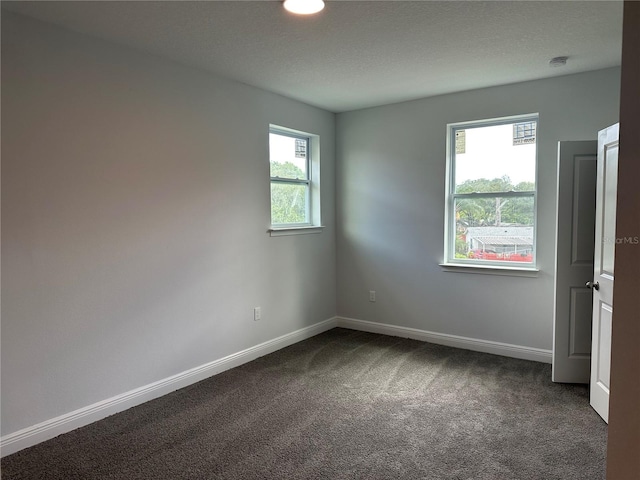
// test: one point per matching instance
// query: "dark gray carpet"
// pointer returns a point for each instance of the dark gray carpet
(344, 405)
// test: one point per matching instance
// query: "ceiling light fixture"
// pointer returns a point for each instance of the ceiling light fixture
(304, 7)
(558, 62)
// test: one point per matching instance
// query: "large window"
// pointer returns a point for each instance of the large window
(491, 193)
(294, 179)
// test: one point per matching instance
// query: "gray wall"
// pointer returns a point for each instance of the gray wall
(390, 203)
(135, 208)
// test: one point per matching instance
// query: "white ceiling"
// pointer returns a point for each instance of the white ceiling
(357, 54)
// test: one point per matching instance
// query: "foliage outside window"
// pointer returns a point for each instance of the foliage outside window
(491, 192)
(291, 182)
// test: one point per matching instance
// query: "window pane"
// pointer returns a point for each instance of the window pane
(288, 203)
(495, 158)
(494, 229)
(288, 156)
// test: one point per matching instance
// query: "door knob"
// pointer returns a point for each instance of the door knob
(594, 285)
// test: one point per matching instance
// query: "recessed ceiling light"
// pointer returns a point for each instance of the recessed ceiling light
(558, 61)
(304, 7)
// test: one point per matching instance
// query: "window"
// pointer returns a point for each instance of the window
(491, 193)
(294, 173)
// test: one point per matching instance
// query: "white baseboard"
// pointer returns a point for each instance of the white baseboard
(35, 434)
(486, 346)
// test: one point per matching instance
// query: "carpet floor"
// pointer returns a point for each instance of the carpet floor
(344, 405)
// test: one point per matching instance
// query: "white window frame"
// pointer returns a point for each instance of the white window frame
(312, 182)
(483, 266)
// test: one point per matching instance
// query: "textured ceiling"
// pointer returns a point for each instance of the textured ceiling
(357, 54)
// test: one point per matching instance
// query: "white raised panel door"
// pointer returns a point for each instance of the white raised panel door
(603, 269)
(575, 222)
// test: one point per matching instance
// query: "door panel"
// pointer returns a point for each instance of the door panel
(575, 220)
(604, 346)
(583, 208)
(580, 329)
(610, 169)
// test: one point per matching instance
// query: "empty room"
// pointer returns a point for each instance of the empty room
(306, 239)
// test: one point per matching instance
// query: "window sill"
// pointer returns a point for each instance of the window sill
(491, 270)
(282, 231)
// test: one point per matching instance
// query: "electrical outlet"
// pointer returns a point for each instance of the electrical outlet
(257, 314)
(372, 295)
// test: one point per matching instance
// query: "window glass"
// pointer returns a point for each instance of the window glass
(491, 193)
(492, 159)
(288, 203)
(288, 156)
(291, 183)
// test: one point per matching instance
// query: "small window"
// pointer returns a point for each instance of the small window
(293, 186)
(491, 193)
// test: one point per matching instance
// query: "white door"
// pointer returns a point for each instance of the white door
(575, 221)
(602, 283)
